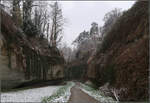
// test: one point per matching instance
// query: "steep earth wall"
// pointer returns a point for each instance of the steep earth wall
(123, 58)
(25, 59)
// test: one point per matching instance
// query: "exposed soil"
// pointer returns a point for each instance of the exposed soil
(123, 57)
(78, 96)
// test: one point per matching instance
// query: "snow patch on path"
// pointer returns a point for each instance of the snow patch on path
(29, 95)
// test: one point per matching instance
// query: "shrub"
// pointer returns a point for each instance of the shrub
(30, 29)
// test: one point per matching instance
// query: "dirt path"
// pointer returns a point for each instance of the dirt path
(78, 96)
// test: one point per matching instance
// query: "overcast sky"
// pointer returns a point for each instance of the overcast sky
(80, 15)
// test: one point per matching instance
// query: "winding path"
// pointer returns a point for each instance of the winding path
(78, 96)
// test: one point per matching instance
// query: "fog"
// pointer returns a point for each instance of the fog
(80, 14)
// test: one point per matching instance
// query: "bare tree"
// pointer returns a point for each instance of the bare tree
(57, 22)
(13, 7)
(47, 31)
(28, 26)
(27, 8)
(109, 19)
(6, 5)
(16, 12)
(94, 29)
(67, 52)
(41, 18)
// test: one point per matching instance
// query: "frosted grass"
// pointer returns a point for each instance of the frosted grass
(96, 94)
(60, 96)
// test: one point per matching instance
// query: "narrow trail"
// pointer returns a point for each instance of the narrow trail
(78, 96)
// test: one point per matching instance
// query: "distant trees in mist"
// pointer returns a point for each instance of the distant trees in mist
(89, 41)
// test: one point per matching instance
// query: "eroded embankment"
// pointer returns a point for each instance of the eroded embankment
(123, 58)
(25, 59)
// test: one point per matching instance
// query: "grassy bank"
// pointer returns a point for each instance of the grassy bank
(62, 95)
(95, 93)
